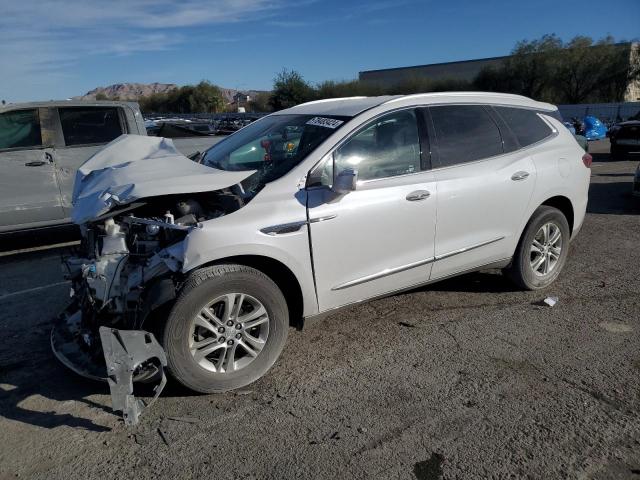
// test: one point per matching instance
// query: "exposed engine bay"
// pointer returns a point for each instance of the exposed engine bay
(127, 266)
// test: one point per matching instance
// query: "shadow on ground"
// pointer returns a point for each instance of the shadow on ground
(39, 384)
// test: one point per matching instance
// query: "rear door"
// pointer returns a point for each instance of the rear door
(29, 194)
(484, 186)
(84, 131)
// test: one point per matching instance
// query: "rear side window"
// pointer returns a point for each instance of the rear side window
(89, 125)
(526, 125)
(20, 129)
(465, 133)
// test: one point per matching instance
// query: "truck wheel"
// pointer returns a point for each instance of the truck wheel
(616, 152)
(542, 250)
(226, 329)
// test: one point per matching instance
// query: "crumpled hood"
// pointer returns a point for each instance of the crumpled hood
(132, 167)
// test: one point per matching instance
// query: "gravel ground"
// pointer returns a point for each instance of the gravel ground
(468, 378)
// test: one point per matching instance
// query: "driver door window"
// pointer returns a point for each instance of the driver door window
(387, 147)
(20, 129)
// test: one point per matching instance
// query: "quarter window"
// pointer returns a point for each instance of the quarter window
(465, 133)
(526, 125)
(20, 129)
(89, 125)
(387, 147)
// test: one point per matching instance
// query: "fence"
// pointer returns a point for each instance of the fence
(607, 113)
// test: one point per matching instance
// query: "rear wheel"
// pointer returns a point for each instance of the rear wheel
(542, 250)
(226, 329)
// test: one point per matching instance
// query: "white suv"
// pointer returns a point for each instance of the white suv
(310, 209)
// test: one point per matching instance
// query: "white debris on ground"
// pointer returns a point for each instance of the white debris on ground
(551, 301)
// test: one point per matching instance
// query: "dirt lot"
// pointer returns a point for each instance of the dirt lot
(465, 379)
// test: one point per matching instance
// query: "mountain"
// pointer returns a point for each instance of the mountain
(133, 91)
(128, 91)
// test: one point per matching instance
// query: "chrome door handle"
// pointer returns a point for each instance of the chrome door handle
(519, 176)
(418, 195)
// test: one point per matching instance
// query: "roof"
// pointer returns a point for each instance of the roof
(355, 105)
(348, 107)
(65, 103)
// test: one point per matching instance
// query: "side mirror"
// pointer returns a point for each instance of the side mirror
(346, 181)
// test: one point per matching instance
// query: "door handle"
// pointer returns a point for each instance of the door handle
(519, 176)
(418, 195)
(37, 163)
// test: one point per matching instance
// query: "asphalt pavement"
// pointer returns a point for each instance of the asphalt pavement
(468, 378)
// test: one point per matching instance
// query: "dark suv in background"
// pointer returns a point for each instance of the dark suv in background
(625, 137)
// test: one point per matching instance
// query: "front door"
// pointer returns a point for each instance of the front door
(29, 193)
(378, 238)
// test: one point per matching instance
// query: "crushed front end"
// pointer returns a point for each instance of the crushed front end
(135, 201)
(125, 267)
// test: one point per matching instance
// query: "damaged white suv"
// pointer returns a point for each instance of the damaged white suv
(306, 210)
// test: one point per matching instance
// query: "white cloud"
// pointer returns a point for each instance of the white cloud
(43, 40)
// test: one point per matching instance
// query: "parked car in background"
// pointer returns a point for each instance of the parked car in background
(307, 210)
(624, 138)
(41, 147)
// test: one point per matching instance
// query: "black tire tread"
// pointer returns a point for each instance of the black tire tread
(181, 372)
(516, 270)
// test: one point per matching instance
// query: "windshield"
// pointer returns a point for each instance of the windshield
(272, 146)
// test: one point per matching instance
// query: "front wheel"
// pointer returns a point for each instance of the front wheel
(226, 329)
(542, 250)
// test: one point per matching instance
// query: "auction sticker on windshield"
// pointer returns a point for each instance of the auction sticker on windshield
(325, 122)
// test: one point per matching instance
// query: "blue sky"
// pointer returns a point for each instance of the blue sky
(57, 49)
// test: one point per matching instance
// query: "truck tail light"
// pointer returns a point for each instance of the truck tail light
(587, 160)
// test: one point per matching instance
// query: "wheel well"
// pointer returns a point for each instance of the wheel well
(283, 278)
(564, 205)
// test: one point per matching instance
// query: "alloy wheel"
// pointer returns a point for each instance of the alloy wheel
(229, 333)
(546, 249)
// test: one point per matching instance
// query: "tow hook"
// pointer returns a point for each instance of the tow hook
(127, 354)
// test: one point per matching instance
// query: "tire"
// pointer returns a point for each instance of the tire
(183, 331)
(617, 153)
(521, 271)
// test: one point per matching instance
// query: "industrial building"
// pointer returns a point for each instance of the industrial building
(467, 70)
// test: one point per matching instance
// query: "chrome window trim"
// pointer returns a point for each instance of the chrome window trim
(355, 130)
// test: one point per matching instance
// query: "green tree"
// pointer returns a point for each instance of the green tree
(289, 89)
(101, 96)
(577, 71)
(528, 71)
(260, 103)
(205, 98)
(592, 72)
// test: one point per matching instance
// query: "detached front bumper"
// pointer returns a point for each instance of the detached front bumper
(75, 348)
(119, 357)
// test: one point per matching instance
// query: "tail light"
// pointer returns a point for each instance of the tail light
(587, 160)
